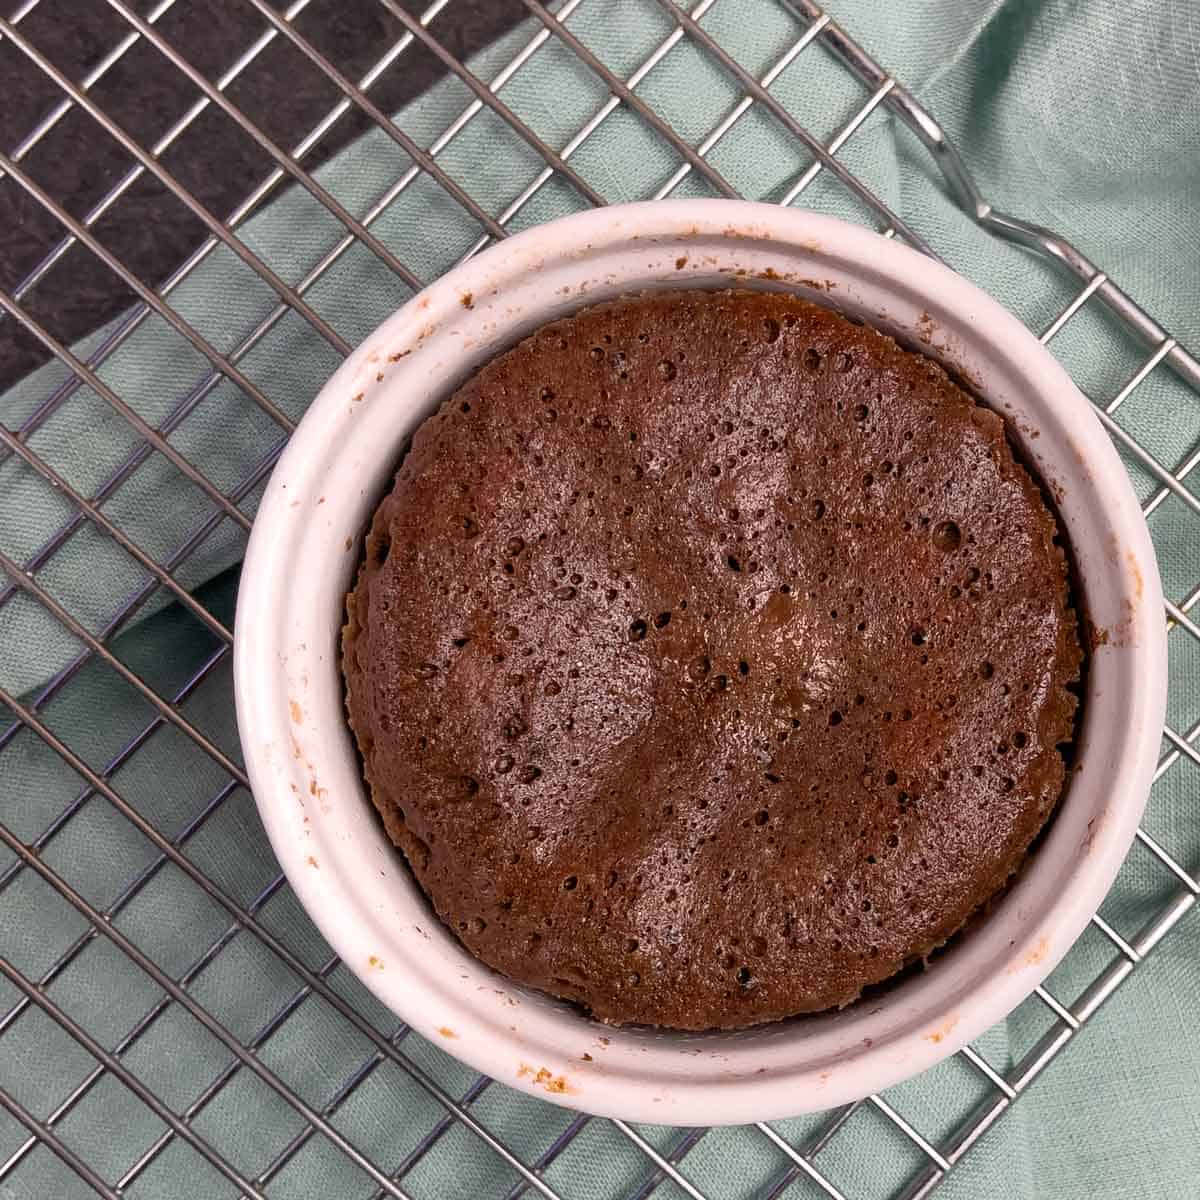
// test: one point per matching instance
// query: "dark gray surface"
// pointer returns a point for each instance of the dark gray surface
(148, 229)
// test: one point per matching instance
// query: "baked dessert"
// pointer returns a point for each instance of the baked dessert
(711, 659)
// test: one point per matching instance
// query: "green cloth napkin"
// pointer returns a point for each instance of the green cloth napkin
(1078, 114)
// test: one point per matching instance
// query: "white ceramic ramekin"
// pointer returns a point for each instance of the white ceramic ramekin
(306, 546)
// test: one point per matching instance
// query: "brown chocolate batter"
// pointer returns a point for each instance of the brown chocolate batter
(709, 657)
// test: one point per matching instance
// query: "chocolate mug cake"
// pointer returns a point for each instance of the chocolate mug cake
(710, 659)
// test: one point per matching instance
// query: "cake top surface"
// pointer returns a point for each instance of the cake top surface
(709, 659)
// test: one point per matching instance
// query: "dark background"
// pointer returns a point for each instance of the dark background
(147, 228)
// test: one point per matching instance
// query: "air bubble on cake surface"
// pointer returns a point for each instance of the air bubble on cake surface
(947, 537)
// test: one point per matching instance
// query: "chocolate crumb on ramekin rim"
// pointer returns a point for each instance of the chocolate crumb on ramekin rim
(710, 660)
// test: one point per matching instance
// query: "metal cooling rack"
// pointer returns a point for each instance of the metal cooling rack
(664, 1163)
